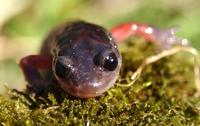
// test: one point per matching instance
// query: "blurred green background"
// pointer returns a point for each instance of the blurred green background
(24, 24)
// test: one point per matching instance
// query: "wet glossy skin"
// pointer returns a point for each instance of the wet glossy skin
(83, 59)
(86, 61)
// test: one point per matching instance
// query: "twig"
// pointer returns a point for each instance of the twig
(166, 53)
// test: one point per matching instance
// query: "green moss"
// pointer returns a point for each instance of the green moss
(163, 95)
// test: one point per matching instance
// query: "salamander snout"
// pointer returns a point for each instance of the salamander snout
(86, 60)
(87, 77)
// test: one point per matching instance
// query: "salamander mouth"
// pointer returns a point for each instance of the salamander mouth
(89, 88)
(83, 92)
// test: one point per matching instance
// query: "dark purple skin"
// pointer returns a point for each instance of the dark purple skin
(86, 61)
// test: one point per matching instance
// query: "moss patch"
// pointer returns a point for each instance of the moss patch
(163, 95)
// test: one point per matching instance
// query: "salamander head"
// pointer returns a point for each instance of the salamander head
(86, 61)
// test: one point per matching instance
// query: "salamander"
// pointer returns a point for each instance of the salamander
(83, 59)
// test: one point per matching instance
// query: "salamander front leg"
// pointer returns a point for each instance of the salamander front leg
(30, 66)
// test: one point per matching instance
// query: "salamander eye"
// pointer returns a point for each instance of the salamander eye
(61, 71)
(108, 61)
